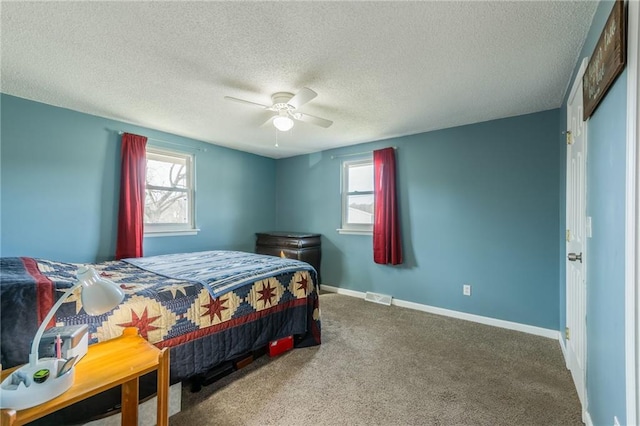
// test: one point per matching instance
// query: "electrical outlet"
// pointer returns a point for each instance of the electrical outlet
(615, 421)
(466, 289)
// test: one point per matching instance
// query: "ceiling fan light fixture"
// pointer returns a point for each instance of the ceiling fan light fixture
(285, 106)
(283, 123)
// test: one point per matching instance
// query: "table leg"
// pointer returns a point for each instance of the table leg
(130, 402)
(163, 388)
(7, 417)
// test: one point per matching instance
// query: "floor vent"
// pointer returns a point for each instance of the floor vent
(382, 299)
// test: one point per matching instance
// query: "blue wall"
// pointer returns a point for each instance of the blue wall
(60, 187)
(479, 205)
(606, 163)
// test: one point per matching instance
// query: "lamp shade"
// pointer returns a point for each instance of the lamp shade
(99, 295)
(283, 123)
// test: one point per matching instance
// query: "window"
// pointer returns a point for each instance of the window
(169, 194)
(357, 196)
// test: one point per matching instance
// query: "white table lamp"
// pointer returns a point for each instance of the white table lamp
(43, 379)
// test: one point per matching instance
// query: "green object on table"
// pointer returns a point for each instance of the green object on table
(40, 375)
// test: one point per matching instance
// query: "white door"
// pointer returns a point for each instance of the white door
(576, 240)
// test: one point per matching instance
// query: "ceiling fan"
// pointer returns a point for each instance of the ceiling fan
(285, 107)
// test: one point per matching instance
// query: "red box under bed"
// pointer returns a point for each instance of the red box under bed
(276, 347)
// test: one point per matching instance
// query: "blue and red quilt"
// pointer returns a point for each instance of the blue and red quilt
(202, 327)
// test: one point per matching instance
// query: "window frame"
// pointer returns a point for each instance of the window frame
(346, 227)
(174, 229)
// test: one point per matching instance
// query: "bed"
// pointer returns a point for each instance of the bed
(208, 307)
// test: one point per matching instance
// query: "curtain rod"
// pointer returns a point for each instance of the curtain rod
(120, 132)
(356, 153)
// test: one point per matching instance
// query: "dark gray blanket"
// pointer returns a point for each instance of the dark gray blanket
(21, 288)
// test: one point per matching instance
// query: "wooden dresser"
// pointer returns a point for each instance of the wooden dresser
(292, 245)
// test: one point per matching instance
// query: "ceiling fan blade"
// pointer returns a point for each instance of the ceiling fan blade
(242, 101)
(322, 122)
(302, 97)
(269, 120)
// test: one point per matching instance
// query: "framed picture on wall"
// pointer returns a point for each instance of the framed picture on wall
(607, 60)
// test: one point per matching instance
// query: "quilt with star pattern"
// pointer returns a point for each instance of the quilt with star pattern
(203, 328)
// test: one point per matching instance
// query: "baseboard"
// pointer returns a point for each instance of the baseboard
(343, 291)
(529, 329)
(563, 347)
(586, 418)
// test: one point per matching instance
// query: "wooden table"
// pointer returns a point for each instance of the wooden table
(119, 361)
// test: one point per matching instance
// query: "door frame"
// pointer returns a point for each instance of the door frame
(632, 219)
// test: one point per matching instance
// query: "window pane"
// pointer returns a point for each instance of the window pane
(166, 207)
(167, 174)
(360, 210)
(361, 177)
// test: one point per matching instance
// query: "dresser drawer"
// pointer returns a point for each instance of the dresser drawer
(288, 240)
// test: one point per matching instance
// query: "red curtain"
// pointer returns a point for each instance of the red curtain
(132, 185)
(387, 244)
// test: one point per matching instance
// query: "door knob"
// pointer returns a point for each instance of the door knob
(573, 257)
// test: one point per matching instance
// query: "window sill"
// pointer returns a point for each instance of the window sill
(171, 233)
(354, 231)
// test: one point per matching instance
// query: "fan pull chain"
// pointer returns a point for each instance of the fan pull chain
(276, 138)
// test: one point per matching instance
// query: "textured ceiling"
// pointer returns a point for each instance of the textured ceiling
(381, 69)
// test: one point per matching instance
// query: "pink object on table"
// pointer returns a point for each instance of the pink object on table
(58, 346)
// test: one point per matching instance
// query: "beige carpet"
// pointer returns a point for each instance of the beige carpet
(382, 365)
